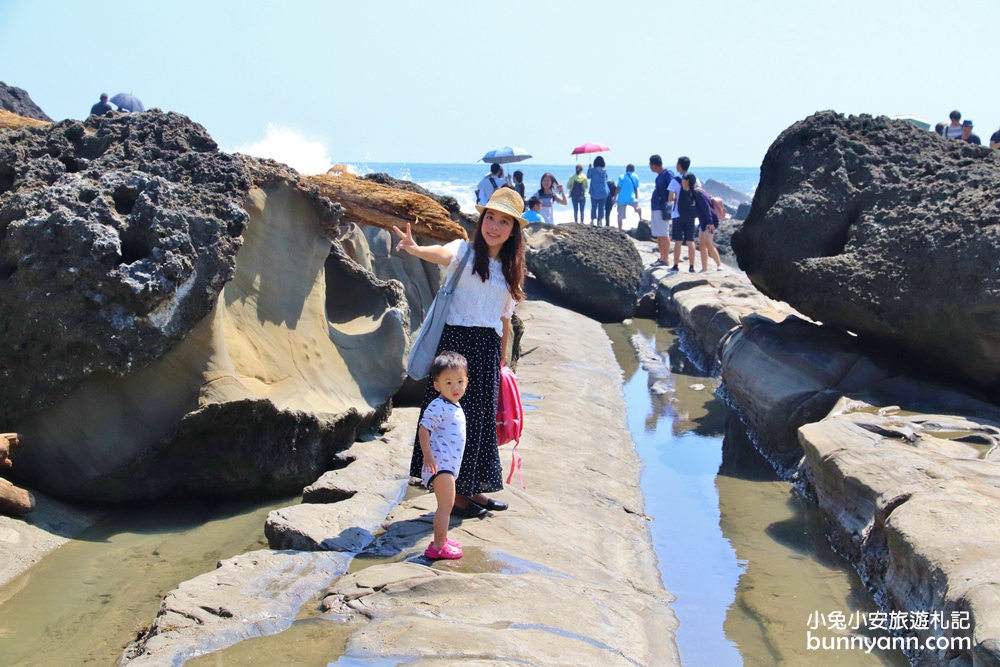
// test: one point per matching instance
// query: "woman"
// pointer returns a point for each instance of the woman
(708, 222)
(578, 184)
(478, 327)
(550, 192)
(598, 190)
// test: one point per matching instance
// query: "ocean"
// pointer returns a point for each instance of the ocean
(460, 180)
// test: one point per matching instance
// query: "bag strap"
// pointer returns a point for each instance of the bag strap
(453, 281)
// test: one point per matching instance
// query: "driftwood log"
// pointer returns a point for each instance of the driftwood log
(369, 203)
(13, 500)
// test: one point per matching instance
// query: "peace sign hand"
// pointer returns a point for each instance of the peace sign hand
(406, 239)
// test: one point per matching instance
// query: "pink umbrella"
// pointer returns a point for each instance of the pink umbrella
(590, 148)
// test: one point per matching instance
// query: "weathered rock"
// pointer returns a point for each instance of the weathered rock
(875, 226)
(182, 321)
(117, 237)
(911, 501)
(708, 306)
(642, 231)
(724, 235)
(729, 195)
(809, 368)
(255, 593)
(743, 212)
(17, 100)
(594, 270)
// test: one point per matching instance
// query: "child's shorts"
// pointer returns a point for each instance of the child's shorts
(445, 463)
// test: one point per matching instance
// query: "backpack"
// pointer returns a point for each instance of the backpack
(577, 191)
(510, 419)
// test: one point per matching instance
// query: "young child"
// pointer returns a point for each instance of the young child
(533, 214)
(442, 441)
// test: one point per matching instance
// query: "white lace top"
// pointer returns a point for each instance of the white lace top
(477, 303)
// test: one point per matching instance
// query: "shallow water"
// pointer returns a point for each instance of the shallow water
(746, 559)
(83, 603)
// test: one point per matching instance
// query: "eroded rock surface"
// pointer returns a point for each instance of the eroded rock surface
(875, 226)
(17, 100)
(594, 270)
(180, 320)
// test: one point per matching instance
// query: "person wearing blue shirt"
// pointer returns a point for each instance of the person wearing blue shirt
(533, 214)
(628, 194)
(659, 218)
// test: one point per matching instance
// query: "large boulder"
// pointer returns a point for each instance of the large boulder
(17, 100)
(594, 270)
(875, 226)
(178, 320)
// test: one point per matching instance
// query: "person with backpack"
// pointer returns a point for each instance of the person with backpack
(477, 326)
(628, 194)
(598, 190)
(682, 226)
(609, 202)
(491, 182)
(578, 184)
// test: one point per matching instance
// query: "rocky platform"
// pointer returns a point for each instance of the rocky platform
(905, 469)
(531, 587)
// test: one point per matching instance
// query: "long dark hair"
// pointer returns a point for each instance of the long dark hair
(511, 258)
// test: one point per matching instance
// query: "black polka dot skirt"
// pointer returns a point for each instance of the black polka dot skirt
(481, 470)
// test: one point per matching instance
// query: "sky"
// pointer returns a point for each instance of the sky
(319, 82)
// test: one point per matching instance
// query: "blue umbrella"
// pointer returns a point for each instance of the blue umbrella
(127, 102)
(505, 155)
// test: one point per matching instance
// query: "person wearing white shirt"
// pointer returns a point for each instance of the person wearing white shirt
(478, 327)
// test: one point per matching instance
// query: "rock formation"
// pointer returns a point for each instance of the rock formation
(179, 320)
(730, 196)
(594, 270)
(880, 228)
(17, 100)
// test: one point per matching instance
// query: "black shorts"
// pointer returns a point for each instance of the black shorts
(682, 229)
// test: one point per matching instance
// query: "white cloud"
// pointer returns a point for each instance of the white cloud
(286, 145)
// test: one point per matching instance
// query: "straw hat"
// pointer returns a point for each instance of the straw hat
(508, 202)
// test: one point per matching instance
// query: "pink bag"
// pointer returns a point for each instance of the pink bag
(510, 419)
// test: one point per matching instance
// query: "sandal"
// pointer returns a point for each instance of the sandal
(450, 551)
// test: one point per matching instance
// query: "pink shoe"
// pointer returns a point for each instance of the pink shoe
(450, 551)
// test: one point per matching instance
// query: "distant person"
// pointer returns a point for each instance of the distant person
(708, 222)
(682, 226)
(550, 193)
(598, 190)
(954, 129)
(490, 183)
(533, 214)
(610, 202)
(441, 434)
(628, 194)
(967, 134)
(577, 185)
(659, 216)
(518, 184)
(674, 189)
(102, 107)
(995, 140)
(939, 129)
